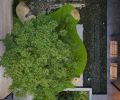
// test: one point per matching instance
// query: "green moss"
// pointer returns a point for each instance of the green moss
(66, 21)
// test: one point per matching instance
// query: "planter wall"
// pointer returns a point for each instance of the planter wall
(81, 90)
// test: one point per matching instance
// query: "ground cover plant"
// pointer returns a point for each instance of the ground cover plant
(42, 59)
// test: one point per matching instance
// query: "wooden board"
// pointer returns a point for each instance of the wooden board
(5, 17)
(5, 28)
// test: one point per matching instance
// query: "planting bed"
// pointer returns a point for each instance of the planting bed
(43, 55)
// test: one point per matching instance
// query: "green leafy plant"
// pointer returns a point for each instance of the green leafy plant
(38, 62)
(73, 95)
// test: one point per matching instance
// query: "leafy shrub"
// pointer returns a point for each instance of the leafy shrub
(37, 60)
(73, 95)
